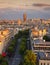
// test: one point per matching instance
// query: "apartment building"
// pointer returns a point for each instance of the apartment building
(43, 58)
(5, 37)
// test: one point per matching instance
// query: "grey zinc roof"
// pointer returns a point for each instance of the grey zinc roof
(43, 56)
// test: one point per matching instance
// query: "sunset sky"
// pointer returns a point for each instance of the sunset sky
(16, 3)
(12, 9)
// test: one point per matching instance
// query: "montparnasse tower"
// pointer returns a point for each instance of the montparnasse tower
(24, 17)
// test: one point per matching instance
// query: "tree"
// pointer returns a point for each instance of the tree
(1, 58)
(12, 44)
(22, 47)
(11, 49)
(29, 58)
(23, 39)
(4, 63)
(46, 38)
(26, 33)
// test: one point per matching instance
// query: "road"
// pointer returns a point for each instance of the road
(17, 57)
(28, 44)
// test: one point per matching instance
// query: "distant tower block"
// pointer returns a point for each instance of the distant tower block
(19, 22)
(24, 17)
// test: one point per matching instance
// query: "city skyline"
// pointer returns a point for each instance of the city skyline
(24, 4)
(24, 32)
(13, 9)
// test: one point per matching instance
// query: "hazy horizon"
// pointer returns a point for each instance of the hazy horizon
(12, 9)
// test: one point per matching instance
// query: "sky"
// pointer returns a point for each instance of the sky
(12, 7)
(21, 3)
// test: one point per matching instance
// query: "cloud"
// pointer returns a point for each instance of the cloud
(40, 5)
(43, 6)
(47, 8)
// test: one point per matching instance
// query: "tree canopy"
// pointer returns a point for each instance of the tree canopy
(29, 58)
(46, 38)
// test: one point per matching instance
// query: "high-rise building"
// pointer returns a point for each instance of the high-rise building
(24, 17)
(19, 22)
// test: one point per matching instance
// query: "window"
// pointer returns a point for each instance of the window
(47, 63)
(44, 63)
(41, 63)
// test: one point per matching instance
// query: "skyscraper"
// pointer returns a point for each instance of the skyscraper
(24, 17)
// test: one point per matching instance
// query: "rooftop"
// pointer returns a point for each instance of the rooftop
(41, 41)
(37, 41)
(43, 56)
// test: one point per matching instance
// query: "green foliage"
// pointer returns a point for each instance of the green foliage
(4, 63)
(1, 58)
(16, 36)
(22, 34)
(23, 39)
(22, 47)
(29, 58)
(12, 44)
(46, 38)
(11, 49)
